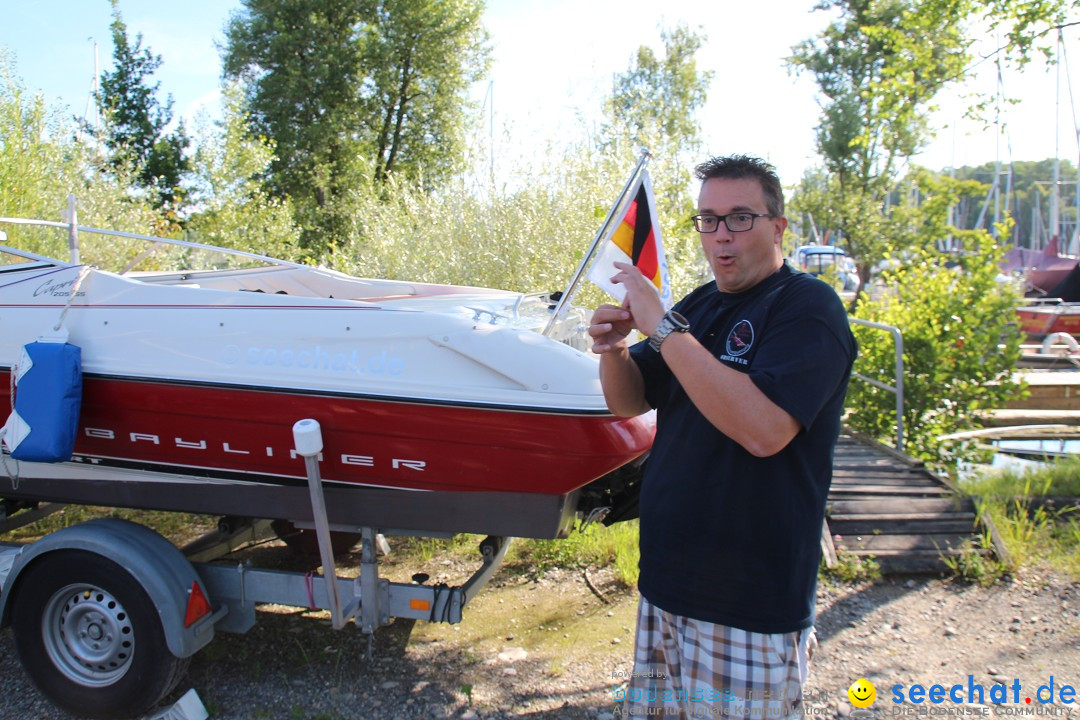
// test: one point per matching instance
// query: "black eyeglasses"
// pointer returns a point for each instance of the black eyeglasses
(736, 221)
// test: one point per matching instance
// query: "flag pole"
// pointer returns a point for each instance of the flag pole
(571, 289)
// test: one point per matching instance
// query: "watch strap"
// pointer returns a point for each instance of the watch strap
(671, 322)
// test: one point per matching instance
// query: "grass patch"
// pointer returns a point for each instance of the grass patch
(428, 549)
(558, 623)
(595, 546)
(1057, 479)
(179, 528)
(851, 568)
(974, 562)
(1035, 534)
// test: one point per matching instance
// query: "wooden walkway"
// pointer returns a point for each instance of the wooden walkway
(887, 505)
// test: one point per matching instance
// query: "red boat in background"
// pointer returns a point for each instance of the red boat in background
(1042, 270)
(1057, 308)
(1041, 319)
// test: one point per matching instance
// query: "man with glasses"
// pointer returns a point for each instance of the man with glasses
(748, 376)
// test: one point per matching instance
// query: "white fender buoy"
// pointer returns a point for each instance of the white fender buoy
(1060, 337)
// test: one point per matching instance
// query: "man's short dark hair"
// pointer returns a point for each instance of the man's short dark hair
(740, 167)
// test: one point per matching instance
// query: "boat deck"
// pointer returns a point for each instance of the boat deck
(887, 505)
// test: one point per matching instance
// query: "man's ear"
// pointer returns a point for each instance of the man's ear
(780, 225)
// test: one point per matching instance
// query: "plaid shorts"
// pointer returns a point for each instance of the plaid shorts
(689, 668)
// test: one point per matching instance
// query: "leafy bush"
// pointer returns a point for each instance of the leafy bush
(233, 208)
(529, 234)
(958, 322)
(41, 162)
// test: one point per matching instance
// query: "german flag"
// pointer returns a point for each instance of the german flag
(637, 240)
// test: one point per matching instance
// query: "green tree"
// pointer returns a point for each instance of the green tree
(299, 65)
(136, 123)
(1027, 25)
(420, 58)
(878, 67)
(655, 104)
(812, 209)
(234, 209)
(657, 99)
(343, 86)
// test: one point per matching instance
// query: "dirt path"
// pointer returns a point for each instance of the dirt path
(551, 648)
(930, 632)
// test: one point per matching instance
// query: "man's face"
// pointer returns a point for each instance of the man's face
(740, 260)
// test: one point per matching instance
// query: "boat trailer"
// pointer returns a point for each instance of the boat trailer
(90, 603)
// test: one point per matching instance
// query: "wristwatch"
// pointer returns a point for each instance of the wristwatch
(671, 322)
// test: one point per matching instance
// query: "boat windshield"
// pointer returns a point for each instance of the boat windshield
(13, 258)
(165, 261)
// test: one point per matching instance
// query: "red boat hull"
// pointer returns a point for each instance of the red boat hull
(1040, 321)
(245, 433)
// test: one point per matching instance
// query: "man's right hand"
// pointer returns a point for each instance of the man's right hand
(609, 327)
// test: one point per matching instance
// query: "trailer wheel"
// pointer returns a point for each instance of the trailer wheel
(90, 638)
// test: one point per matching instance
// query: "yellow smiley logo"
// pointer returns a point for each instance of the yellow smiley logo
(862, 693)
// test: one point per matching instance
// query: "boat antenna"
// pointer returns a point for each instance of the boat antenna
(572, 288)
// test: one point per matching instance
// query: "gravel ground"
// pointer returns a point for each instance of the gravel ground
(927, 632)
(552, 648)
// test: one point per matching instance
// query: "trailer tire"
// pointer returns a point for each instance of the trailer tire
(90, 638)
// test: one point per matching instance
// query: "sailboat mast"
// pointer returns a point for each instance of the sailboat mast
(1054, 210)
(997, 151)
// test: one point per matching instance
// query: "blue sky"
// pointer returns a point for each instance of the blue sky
(553, 61)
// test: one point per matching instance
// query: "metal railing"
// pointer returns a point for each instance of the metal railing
(898, 388)
(74, 229)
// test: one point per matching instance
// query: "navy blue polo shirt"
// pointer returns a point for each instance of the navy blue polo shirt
(727, 537)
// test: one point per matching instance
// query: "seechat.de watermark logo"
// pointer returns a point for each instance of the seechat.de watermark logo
(968, 698)
(862, 695)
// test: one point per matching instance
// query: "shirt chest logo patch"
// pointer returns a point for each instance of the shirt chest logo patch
(740, 339)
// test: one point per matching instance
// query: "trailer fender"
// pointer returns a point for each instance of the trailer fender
(154, 562)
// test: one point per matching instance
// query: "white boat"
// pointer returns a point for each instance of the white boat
(444, 408)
